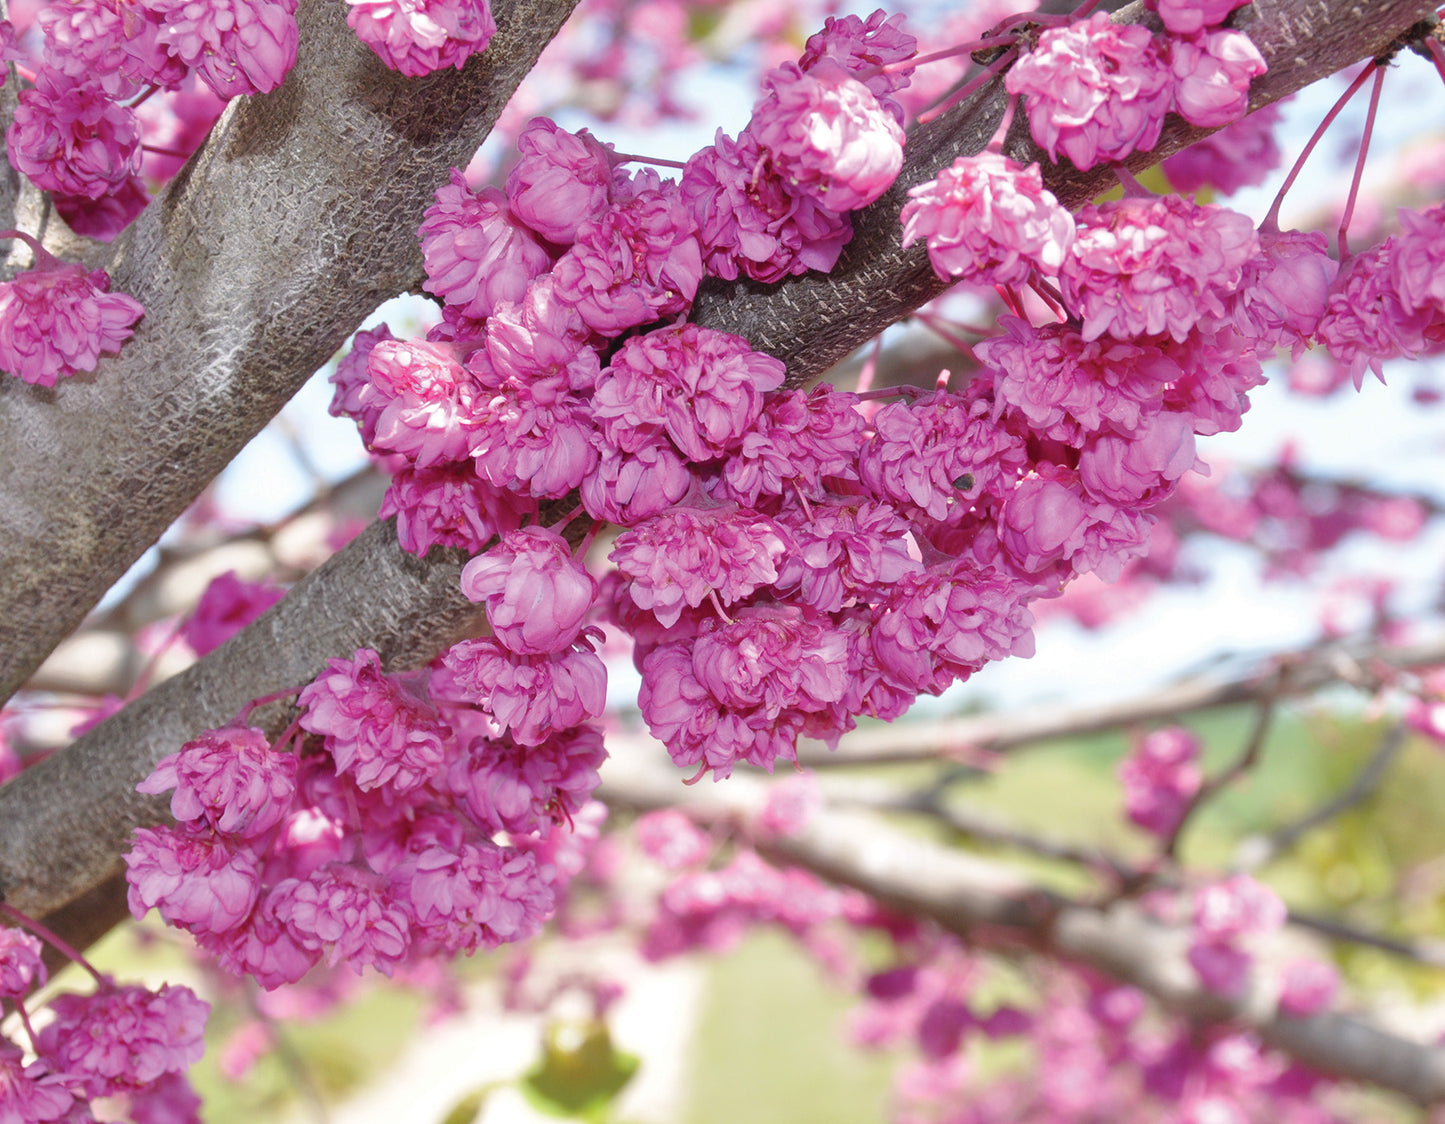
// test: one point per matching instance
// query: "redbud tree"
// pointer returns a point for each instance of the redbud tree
(670, 423)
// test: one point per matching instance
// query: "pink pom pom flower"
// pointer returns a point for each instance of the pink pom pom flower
(1097, 90)
(989, 220)
(416, 37)
(537, 595)
(827, 134)
(57, 319)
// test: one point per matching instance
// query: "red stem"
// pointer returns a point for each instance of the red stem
(1271, 220)
(50, 938)
(1000, 64)
(1360, 161)
(240, 719)
(934, 56)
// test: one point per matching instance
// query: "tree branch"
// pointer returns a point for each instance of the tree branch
(1366, 666)
(987, 903)
(293, 222)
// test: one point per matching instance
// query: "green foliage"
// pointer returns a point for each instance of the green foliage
(581, 1072)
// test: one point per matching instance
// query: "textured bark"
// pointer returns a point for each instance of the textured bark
(68, 819)
(65, 820)
(294, 221)
(987, 903)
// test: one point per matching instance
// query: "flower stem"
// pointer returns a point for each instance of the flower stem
(1344, 247)
(1271, 220)
(52, 939)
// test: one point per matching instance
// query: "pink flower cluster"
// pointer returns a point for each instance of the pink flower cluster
(1226, 916)
(1161, 776)
(825, 139)
(1098, 91)
(129, 1045)
(417, 37)
(382, 844)
(56, 319)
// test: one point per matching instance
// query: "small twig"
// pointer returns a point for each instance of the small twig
(290, 1058)
(1429, 953)
(1246, 761)
(1259, 850)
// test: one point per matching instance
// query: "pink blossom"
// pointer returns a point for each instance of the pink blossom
(1066, 387)
(1143, 468)
(703, 386)
(419, 402)
(988, 220)
(1186, 17)
(525, 437)
(417, 37)
(1308, 987)
(352, 380)
(235, 48)
(1097, 91)
(477, 253)
(669, 838)
(937, 452)
(560, 181)
(21, 966)
(1365, 321)
(70, 136)
(791, 803)
(107, 216)
(526, 789)
(1237, 907)
(1417, 265)
(1160, 777)
(542, 338)
(450, 506)
(1147, 266)
(227, 605)
(536, 594)
(827, 135)
(628, 487)
(345, 914)
(639, 262)
(750, 220)
(685, 555)
(1285, 290)
(1212, 75)
(124, 1038)
(97, 40)
(800, 438)
(743, 691)
(199, 882)
(32, 1094)
(478, 895)
(1242, 154)
(1219, 368)
(262, 949)
(945, 624)
(533, 697)
(169, 1099)
(231, 778)
(1044, 521)
(376, 729)
(845, 550)
(57, 319)
(863, 46)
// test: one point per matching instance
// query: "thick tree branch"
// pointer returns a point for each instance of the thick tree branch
(988, 903)
(66, 820)
(1367, 666)
(292, 223)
